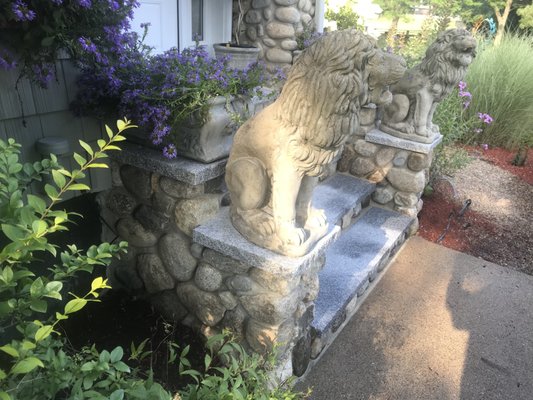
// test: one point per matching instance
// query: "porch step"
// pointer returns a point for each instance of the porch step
(352, 265)
(341, 197)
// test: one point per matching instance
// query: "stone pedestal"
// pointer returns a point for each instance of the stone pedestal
(399, 167)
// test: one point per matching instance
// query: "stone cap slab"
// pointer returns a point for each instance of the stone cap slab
(353, 258)
(379, 137)
(337, 195)
(220, 235)
(179, 168)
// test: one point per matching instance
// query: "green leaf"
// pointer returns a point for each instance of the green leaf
(64, 172)
(75, 305)
(13, 233)
(60, 316)
(7, 274)
(117, 395)
(47, 41)
(79, 159)
(27, 345)
(43, 332)
(101, 143)
(37, 203)
(109, 132)
(87, 148)
(39, 305)
(52, 290)
(39, 227)
(78, 186)
(112, 147)
(97, 283)
(10, 350)
(97, 165)
(4, 396)
(121, 125)
(37, 287)
(2, 376)
(116, 354)
(59, 179)
(26, 365)
(121, 366)
(51, 191)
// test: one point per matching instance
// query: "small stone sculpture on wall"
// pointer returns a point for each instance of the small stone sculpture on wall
(279, 155)
(418, 93)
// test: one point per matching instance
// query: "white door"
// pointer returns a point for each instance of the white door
(162, 15)
(208, 20)
(175, 23)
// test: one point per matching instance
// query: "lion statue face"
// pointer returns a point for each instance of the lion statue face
(454, 49)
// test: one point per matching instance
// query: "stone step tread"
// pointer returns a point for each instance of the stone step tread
(354, 259)
(337, 195)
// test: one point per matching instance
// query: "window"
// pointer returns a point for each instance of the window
(175, 23)
(197, 19)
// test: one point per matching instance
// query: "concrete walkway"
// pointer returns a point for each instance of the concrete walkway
(439, 325)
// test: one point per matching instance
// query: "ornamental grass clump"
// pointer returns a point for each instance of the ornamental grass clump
(500, 79)
(166, 90)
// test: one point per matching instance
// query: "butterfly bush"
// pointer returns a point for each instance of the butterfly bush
(34, 32)
(161, 91)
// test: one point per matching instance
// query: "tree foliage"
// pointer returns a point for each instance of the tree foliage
(345, 17)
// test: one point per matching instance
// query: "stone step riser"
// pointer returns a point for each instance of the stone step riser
(353, 266)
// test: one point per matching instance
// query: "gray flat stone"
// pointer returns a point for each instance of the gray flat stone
(179, 168)
(337, 195)
(380, 137)
(340, 194)
(352, 259)
(220, 235)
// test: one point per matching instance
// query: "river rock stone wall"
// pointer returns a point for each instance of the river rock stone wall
(399, 167)
(273, 25)
(195, 285)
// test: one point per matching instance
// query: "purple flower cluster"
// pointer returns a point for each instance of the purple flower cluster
(466, 95)
(91, 31)
(22, 12)
(158, 92)
(485, 118)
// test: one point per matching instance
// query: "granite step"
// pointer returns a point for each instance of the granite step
(342, 197)
(353, 262)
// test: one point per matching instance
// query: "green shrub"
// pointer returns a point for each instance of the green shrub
(233, 374)
(34, 362)
(500, 80)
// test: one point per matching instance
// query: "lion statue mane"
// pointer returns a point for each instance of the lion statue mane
(417, 94)
(279, 154)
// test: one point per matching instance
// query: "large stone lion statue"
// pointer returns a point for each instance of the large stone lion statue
(279, 154)
(417, 94)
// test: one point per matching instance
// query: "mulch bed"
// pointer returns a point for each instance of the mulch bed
(471, 232)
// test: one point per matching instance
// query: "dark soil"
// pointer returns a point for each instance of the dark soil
(477, 232)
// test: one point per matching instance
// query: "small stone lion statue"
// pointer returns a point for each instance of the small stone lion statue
(279, 154)
(417, 94)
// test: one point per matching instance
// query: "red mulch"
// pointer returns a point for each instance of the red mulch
(503, 159)
(473, 232)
